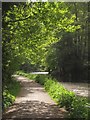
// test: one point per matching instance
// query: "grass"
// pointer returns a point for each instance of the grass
(76, 106)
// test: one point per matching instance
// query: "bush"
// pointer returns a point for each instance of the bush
(10, 92)
(8, 99)
(40, 79)
(48, 84)
(64, 98)
(79, 109)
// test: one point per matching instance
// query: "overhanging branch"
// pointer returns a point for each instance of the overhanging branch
(20, 19)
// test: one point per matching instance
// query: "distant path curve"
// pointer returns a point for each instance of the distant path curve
(33, 102)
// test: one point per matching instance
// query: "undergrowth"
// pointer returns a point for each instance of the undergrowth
(76, 106)
(10, 91)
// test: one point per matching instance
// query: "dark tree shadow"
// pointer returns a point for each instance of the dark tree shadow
(34, 109)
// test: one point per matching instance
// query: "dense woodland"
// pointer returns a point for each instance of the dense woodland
(46, 36)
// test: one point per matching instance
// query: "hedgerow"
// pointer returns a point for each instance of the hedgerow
(75, 105)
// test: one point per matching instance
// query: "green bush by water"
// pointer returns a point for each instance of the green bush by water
(79, 109)
(64, 98)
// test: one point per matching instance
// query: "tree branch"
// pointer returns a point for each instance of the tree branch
(19, 19)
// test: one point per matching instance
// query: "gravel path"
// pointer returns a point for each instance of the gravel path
(33, 102)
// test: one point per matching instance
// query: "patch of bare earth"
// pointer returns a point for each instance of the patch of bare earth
(33, 102)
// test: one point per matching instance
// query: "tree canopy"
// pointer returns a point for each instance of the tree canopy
(44, 34)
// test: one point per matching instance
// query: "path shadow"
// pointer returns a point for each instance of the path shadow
(33, 102)
(34, 109)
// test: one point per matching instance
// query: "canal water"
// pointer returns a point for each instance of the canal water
(81, 89)
(39, 72)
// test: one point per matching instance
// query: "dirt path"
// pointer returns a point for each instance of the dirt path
(33, 102)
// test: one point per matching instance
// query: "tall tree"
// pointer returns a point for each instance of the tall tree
(71, 52)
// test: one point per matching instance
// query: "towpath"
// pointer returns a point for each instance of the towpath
(33, 102)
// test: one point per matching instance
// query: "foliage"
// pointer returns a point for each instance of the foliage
(27, 67)
(40, 79)
(14, 90)
(66, 99)
(29, 29)
(30, 76)
(66, 62)
(62, 96)
(7, 99)
(50, 36)
(75, 105)
(79, 109)
(68, 58)
(10, 93)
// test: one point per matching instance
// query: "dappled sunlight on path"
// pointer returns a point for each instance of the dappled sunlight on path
(33, 102)
(34, 109)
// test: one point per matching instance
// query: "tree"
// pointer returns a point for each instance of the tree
(29, 29)
(71, 52)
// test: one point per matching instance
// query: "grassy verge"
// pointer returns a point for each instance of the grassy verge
(77, 106)
(10, 92)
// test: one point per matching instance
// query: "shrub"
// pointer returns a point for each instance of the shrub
(79, 109)
(66, 99)
(10, 92)
(8, 99)
(75, 105)
(40, 79)
(14, 87)
(48, 84)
